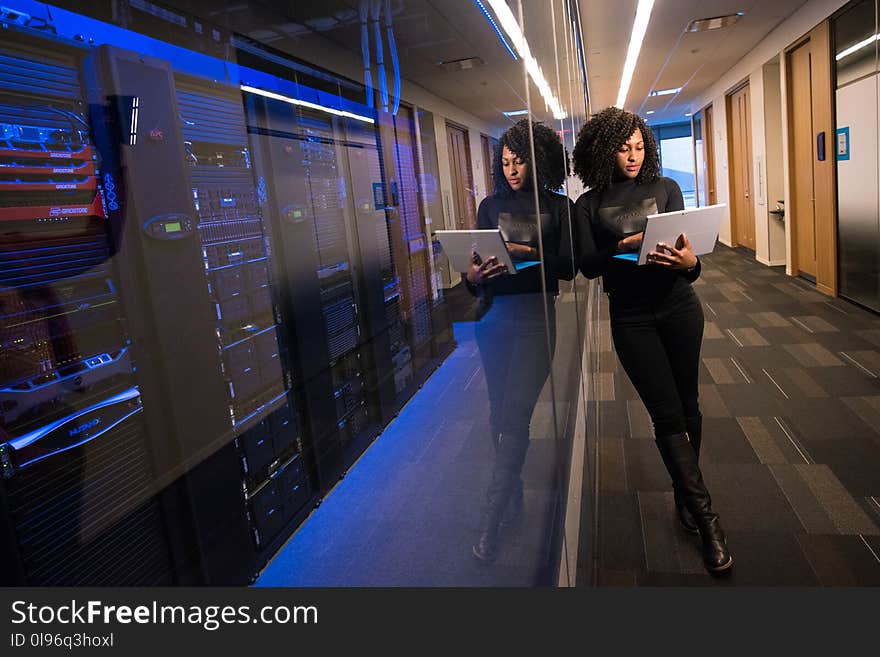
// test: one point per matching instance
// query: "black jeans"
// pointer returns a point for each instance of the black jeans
(512, 339)
(658, 343)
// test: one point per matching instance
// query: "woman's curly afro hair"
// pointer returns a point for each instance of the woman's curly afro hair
(597, 144)
(549, 152)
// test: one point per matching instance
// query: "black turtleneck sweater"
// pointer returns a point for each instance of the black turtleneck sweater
(556, 237)
(604, 218)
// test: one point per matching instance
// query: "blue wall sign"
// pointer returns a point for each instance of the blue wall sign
(843, 143)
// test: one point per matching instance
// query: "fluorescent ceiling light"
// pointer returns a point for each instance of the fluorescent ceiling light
(305, 103)
(650, 112)
(495, 27)
(640, 26)
(516, 112)
(665, 92)
(861, 44)
(511, 27)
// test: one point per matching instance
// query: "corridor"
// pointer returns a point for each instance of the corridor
(791, 452)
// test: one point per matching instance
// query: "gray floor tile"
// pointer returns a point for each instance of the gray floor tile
(821, 419)
(644, 467)
(722, 371)
(749, 337)
(813, 354)
(748, 498)
(712, 332)
(657, 513)
(725, 442)
(612, 466)
(802, 383)
(762, 442)
(711, 403)
(616, 578)
(810, 512)
(622, 546)
(769, 319)
(841, 560)
(866, 361)
(768, 559)
(814, 323)
(846, 514)
(854, 460)
(867, 409)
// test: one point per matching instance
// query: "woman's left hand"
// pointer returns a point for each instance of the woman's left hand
(681, 256)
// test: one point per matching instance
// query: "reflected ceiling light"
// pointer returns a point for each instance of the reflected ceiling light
(861, 44)
(464, 64)
(495, 27)
(665, 92)
(305, 103)
(714, 23)
(516, 112)
(511, 27)
(649, 112)
(640, 26)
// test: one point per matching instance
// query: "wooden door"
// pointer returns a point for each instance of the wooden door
(803, 197)
(742, 209)
(487, 164)
(462, 177)
(709, 132)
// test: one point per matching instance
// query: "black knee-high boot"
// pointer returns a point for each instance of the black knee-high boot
(498, 499)
(501, 496)
(681, 461)
(695, 434)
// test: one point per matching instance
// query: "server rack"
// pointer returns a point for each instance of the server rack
(235, 251)
(317, 264)
(77, 486)
(391, 369)
(429, 334)
(236, 314)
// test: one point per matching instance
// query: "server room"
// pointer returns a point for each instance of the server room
(295, 294)
(233, 349)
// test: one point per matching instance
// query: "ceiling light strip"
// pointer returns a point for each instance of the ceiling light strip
(511, 27)
(495, 27)
(861, 44)
(640, 27)
(305, 103)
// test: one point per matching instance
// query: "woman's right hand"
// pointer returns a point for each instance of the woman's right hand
(631, 243)
(482, 270)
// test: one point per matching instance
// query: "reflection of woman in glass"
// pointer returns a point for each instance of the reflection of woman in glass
(511, 334)
(656, 318)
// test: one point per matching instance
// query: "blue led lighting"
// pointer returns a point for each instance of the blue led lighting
(495, 27)
(25, 440)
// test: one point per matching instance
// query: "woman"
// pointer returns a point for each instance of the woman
(511, 332)
(656, 317)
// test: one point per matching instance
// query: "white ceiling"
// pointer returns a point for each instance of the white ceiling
(432, 31)
(670, 56)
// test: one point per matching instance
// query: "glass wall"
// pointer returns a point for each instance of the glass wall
(237, 345)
